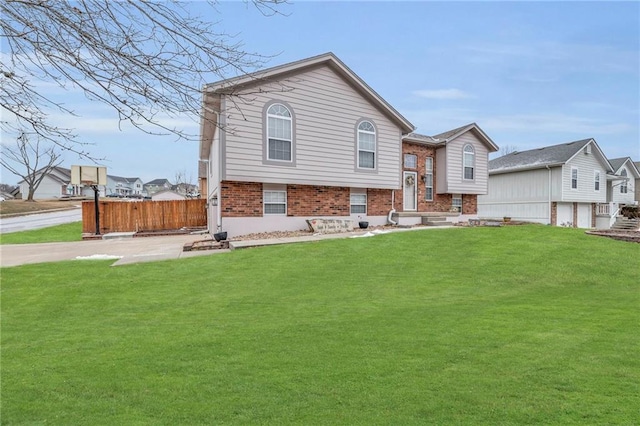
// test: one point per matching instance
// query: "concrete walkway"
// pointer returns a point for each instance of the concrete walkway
(147, 249)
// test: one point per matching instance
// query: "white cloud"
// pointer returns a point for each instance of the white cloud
(443, 94)
(555, 123)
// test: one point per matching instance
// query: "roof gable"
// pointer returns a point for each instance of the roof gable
(549, 156)
(618, 163)
(229, 86)
(450, 135)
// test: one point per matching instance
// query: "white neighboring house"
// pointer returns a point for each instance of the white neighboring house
(563, 185)
(123, 186)
(56, 184)
(622, 192)
(167, 194)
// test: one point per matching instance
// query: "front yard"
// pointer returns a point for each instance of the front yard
(509, 325)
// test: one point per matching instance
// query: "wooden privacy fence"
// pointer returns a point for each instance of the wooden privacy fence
(137, 216)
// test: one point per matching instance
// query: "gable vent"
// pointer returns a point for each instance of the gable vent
(587, 149)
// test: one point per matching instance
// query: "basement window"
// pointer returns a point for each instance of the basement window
(275, 202)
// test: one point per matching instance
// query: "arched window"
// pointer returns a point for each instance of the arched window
(366, 145)
(469, 159)
(279, 133)
(624, 188)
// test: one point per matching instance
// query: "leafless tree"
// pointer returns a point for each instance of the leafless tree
(183, 181)
(147, 60)
(508, 149)
(30, 160)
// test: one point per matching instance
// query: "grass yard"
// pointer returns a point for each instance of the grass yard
(512, 325)
(58, 233)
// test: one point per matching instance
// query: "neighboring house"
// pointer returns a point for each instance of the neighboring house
(310, 139)
(56, 184)
(565, 185)
(623, 192)
(157, 185)
(187, 189)
(167, 194)
(123, 186)
(637, 185)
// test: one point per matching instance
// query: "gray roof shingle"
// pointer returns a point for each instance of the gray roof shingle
(537, 158)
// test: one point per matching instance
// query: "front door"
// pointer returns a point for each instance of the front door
(409, 189)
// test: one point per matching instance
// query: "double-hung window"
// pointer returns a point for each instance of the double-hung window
(624, 188)
(596, 180)
(279, 133)
(428, 179)
(574, 178)
(275, 202)
(469, 159)
(456, 202)
(358, 203)
(366, 145)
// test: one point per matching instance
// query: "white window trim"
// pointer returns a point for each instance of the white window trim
(264, 203)
(455, 205)
(415, 161)
(624, 185)
(596, 179)
(351, 203)
(464, 162)
(265, 134)
(357, 143)
(577, 179)
(428, 171)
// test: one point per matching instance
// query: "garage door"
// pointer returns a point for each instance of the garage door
(565, 214)
(584, 215)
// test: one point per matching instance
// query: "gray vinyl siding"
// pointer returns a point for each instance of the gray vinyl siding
(519, 195)
(454, 166)
(326, 111)
(629, 197)
(586, 165)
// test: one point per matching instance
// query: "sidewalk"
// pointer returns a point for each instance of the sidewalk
(147, 249)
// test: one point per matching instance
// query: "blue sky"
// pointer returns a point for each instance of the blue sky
(530, 74)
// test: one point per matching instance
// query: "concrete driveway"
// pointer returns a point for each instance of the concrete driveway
(126, 250)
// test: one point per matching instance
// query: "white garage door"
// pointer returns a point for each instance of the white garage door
(565, 214)
(584, 215)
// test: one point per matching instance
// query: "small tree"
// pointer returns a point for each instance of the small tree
(30, 160)
(183, 182)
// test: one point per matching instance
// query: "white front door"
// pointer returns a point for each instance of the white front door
(409, 189)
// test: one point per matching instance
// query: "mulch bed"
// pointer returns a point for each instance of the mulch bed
(629, 236)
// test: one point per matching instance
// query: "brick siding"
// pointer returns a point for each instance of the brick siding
(241, 199)
(244, 199)
(306, 200)
(441, 202)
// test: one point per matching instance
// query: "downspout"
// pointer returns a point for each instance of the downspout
(393, 210)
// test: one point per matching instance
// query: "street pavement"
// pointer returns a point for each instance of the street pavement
(39, 220)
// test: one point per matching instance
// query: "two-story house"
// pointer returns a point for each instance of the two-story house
(310, 139)
(123, 186)
(157, 185)
(568, 184)
(55, 183)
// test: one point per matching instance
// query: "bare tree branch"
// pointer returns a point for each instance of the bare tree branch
(30, 160)
(146, 60)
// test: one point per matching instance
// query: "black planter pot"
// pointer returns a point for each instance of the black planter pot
(363, 225)
(220, 236)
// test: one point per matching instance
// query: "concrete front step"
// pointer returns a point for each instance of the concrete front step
(435, 221)
(624, 223)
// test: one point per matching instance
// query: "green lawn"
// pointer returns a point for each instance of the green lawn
(51, 234)
(512, 325)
